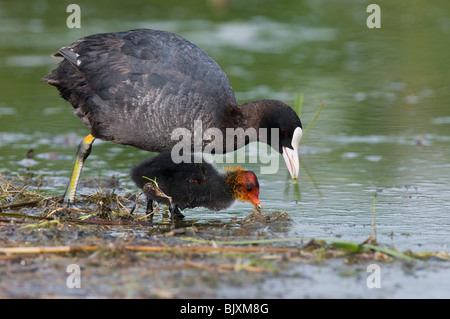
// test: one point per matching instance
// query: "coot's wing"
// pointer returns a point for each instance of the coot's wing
(135, 87)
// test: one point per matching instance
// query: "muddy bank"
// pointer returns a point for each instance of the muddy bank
(97, 249)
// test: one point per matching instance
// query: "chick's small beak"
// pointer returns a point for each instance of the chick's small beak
(253, 198)
(255, 201)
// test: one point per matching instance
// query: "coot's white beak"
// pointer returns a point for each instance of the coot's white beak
(290, 155)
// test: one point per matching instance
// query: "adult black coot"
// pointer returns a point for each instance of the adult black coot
(190, 185)
(136, 87)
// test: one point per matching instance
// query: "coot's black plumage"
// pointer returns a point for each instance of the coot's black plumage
(190, 185)
(136, 87)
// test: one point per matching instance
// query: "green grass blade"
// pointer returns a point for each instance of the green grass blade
(390, 252)
(311, 178)
(348, 245)
(311, 124)
(298, 104)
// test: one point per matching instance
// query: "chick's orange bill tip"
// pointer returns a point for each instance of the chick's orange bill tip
(256, 202)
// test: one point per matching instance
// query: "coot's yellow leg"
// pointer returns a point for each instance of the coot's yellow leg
(84, 149)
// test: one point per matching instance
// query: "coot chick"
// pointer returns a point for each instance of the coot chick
(190, 185)
(136, 87)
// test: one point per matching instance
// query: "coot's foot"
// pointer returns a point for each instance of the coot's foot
(149, 209)
(175, 212)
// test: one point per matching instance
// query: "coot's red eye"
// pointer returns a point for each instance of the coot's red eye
(284, 132)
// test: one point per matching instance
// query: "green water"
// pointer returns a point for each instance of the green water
(384, 129)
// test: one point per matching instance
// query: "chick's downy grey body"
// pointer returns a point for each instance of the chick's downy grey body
(189, 185)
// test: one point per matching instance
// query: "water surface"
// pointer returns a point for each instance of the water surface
(379, 148)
